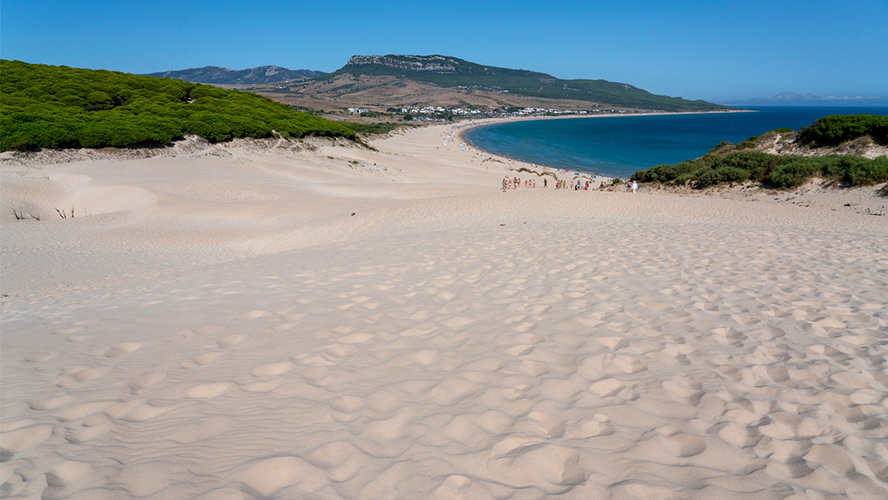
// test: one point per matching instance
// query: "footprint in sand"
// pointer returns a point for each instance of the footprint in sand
(340, 460)
(80, 374)
(262, 385)
(232, 340)
(265, 372)
(124, 408)
(740, 435)
(347, 408)
(599, 426)
(457, 486)
(607, 387)
(518, 350)
(84, 410)
(389, 437)
(526, 463)
(546, 426)
(269, 476)
(251, 315)
(52, 403)
(355, 338)
(679, 444)
(146, 412)
(453, 390)
(121, 349)
(19, 441)
(84, 432)
(41, 356)
(464, 430)
(684, 390)
(202, 330)
(66, 478)
(208, 391)
(272, 369)
(203, 359)
(729, 336)
(318, 376)
(142, 382)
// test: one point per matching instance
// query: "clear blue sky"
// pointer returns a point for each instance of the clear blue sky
(714, 50)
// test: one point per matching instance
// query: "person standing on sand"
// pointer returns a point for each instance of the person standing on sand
(545, 183)
(634, 187)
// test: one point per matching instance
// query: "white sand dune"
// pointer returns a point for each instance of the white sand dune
(265, 320)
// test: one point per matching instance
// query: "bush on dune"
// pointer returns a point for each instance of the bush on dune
(723, 174)
(793, 174)
(836, 129)
(727, 163)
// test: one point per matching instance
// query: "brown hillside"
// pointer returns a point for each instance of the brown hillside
(378, 93)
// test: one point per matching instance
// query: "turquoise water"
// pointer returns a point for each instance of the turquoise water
(622, 145)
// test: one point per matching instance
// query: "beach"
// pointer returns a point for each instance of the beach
(314, 319)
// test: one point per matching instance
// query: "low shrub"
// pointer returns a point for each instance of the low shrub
(792, 174)
(723, 174)
(858, 173)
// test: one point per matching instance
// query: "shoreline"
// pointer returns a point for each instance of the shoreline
(496, 121)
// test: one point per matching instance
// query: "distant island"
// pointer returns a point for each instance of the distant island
(789, 98)
(833, 147)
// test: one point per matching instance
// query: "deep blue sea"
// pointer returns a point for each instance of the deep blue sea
(622, 145)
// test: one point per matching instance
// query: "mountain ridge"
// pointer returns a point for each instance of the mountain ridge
(452, 72)
(217, 75)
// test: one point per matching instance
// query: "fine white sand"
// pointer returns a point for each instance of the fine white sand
(311, 320)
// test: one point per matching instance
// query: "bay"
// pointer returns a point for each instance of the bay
(623, 144)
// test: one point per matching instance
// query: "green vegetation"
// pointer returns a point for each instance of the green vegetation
(777, 171)
(60, 107)
(453, 72)
(836, 129)
(729, 163)
(376, 128)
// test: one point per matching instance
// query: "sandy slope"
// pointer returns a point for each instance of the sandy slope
(222, 326)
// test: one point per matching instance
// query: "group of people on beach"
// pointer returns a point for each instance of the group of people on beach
(578, 185)
(515, 183)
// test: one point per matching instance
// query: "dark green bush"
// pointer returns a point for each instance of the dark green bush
(748, 143)
(723, 174)
(793, 174)
(836, 129)
(56, 106)
(667, 173)
(866, 172)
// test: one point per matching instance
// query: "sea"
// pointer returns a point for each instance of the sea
(620, 145)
